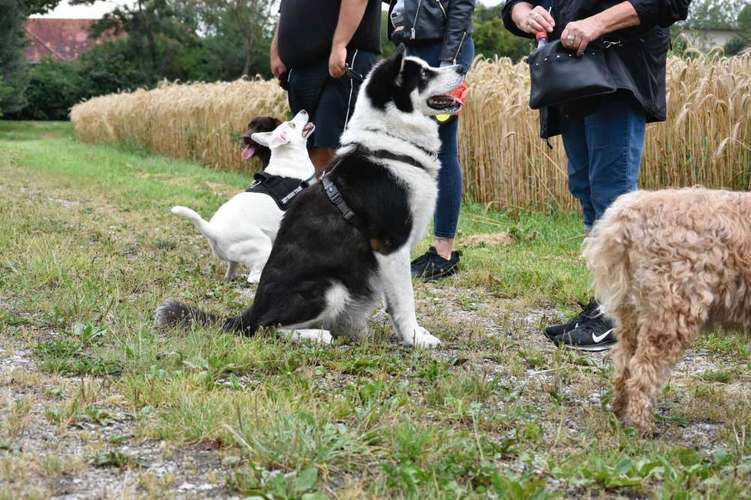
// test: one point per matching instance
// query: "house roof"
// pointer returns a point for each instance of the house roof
(64, 39)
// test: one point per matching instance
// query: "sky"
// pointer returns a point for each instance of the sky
(98, 9)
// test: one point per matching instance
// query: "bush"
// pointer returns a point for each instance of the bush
(111, 67)
(54, 87)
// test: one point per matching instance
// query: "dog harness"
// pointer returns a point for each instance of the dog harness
(281, 189)
(335, 197)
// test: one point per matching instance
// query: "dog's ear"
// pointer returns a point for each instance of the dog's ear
(272, 139)
(308, 130)
(261, 138)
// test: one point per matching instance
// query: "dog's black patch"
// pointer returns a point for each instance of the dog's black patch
(260, 124)
(388, 155)
(394, 80)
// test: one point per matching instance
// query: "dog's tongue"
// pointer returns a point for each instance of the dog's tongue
(248, 153)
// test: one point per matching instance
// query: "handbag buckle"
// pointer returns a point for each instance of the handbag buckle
(608, 43)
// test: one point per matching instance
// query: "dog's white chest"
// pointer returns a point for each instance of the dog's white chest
(423, 192)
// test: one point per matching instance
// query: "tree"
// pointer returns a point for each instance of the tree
(12, 64)
(493, 39)
(39, 6)
(245, 21)
(194, 39)
(157, 28)
(13, 68)
(717, 14)
(184, 40)
(53, 87)
(743, 40)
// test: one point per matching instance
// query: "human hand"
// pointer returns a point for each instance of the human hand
(577, 35)
(338, 61)
(278, 69)
(532, 20)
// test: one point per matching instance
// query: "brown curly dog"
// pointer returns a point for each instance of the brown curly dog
(667, 264)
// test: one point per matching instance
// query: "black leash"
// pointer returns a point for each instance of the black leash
(353, 74)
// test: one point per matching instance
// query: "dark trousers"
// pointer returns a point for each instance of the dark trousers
(450, 186)
(604, 151)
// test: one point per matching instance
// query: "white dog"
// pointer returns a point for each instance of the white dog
(243, 230)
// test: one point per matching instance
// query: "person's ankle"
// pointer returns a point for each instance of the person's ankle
(444, 247)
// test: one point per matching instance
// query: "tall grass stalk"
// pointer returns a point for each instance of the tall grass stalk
(706, 139)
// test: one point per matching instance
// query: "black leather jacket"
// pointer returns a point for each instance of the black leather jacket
(447, 20)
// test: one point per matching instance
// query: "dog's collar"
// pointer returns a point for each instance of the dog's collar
(431, 154)
(382, 154)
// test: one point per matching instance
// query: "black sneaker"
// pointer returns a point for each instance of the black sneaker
(592, 335)
(589, 311)
(430, 266)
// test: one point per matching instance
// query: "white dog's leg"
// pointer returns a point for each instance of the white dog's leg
(400, 299)
(231, 271)
(256, 260)
(312, 334)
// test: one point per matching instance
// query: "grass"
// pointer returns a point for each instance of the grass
(88, 249)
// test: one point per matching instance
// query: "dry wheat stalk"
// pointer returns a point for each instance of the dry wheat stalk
(706, 140)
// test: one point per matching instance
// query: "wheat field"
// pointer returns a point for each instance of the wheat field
(706, 139)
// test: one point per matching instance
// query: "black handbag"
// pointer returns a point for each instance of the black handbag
(559, 76)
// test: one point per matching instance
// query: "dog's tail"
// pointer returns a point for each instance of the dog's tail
(197, 220)
(606, 251)
(173, 313)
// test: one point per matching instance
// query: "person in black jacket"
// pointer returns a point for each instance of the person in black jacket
(440, 32)
(314, 44)
(603, 136)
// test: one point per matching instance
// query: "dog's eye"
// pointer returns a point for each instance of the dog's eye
(292, 125)
(424, 74)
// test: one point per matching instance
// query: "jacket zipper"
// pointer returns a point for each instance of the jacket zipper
(414, 23)
(442, 9)
(459, 50)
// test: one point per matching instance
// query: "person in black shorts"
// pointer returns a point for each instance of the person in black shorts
(320, 53)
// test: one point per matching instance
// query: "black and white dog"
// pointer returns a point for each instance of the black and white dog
(344, 244)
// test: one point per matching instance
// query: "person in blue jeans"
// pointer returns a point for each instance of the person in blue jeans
(603, 136)
(439, 32)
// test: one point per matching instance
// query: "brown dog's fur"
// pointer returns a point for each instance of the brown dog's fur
(666, 264)
(260, 124)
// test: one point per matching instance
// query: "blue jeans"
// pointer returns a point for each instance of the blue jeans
(604, 151)
(449, 202)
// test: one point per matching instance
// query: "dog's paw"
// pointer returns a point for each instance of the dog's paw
(422, 338)
(309, 334)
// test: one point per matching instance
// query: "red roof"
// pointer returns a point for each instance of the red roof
(64, 39)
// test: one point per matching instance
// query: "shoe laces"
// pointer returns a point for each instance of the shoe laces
(591, 310)
(599, 324)
(426, 256)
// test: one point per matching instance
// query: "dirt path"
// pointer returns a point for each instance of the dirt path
(74, 438)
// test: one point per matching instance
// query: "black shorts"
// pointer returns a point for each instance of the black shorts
(329, 101)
